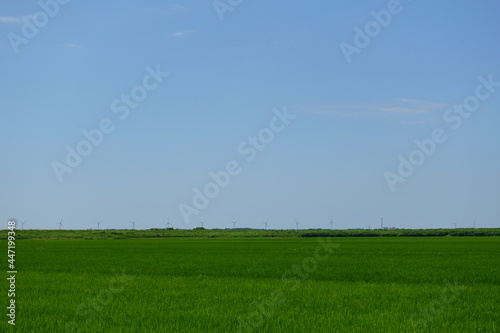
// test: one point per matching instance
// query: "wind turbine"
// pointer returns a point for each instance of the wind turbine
(22, 224)
(297, 224)
(265, 224)
(60, 224)
(381, 223)
(133, 223)
(202, 223)
(98, 224)
(234, 224)
(331, 223)
(168, 223)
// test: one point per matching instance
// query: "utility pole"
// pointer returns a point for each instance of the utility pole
(265, 224)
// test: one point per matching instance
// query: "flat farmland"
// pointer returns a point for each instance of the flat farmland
(328, 284)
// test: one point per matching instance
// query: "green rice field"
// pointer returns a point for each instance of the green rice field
(309, 284)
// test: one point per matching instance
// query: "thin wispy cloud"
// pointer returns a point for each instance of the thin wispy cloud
(9, 20)
(179, 34)
(14, 20)
(176, 6)
(399, 108)
(72, 46)
(412, 122)
(410, 106)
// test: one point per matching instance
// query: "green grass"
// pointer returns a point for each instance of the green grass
(371, 284)
(90, 234)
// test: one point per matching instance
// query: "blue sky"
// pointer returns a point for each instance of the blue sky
(353, 116)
